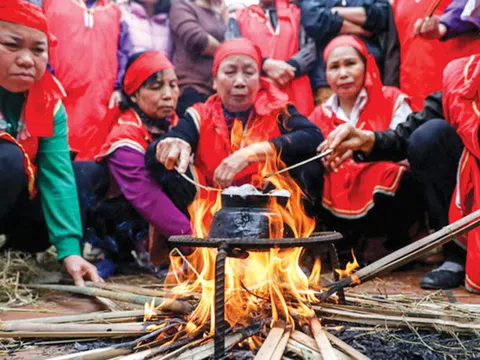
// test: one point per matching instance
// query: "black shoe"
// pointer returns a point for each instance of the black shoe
(442, 279)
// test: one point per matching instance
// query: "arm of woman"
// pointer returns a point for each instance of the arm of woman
(56, 182)
(184, 24)
(318, 20)
(356, 15)
(377, 15)
(127, 167)
(175, 147)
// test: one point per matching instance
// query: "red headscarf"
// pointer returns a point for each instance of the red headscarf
(142, 68)
(45, 93)
(240, 46)
(372, 82)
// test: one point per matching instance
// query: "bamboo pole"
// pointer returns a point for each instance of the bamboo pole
(408, 253)
(305, 346)
(175, 306)
(97, 316)
(323, 343)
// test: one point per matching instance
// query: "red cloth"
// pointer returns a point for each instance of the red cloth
(145, 66)
(85, 61)
(279, 45)
(461, 104)
(215, 143)
(45, 93)
(236, 47)
(128, 130)
(423, 61)
(349, 192)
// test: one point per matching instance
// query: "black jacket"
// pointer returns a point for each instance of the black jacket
(391, 145)
(322, 26)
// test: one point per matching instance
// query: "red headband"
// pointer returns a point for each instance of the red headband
(142, 68)
(24, 13)
(240, 46)
(45, 93)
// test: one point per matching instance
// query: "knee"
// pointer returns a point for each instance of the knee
(12, 161)
(430, 140)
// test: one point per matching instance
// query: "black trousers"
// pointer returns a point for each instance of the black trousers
(21, 218)
(434, 151)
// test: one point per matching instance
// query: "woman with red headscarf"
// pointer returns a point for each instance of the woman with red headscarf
(34, 152)
(274, 26)
(360, 99)
(150, 92)
(247, 120)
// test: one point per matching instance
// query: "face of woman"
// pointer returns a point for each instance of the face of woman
(345, 72)
(158, 100)
(237, 82)
(23, 56)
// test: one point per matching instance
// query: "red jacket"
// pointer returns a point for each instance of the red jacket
(461, 104)
(349, 192)
(280, 45)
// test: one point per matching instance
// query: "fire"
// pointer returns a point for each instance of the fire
(149, 310)
(267, 284)
(350, 268)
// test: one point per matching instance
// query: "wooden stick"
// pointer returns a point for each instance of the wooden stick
(39, 327)
(97, 316)
(408, 253)
(68, 335)
(301, 163)
(282, 345)
(175, 306)
(308, 348)
(109, 352)
(372, 318)
(347, 349)
(323, 343)
(127, 288)
(193, 182)
(270, 344)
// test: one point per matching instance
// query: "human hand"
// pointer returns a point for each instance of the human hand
(79, 268)
(115, 99)
(281, 72)
(173, 151)
(430, 28)
(230, 167)
(344, 140)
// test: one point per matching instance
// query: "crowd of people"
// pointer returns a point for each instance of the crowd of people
(105, 107)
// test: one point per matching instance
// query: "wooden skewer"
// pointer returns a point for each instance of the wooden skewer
(191, 181)
(316, 157)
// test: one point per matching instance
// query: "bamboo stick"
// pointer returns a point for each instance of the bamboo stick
(39, 327)
(97, 316)
(371, 318)
(347, 349)
(127, 288)
(408, 253)
(175, 306)
(323, 343)
(68, 335)
(308, 347)
(111, 351)
(270, 344)
(282, 345)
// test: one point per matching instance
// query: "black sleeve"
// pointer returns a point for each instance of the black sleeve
(300, 137)
(392, 144)
(377, 15)
(185, 130)
(304, 60)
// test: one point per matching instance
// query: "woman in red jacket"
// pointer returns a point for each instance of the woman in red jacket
(367, 191)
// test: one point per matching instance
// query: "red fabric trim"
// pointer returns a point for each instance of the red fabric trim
(240, 46)
(145, 66)
(29, 167)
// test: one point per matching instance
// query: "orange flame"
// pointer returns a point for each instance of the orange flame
(349, 269)
(314, 278)
(266, 284)
(149, 310)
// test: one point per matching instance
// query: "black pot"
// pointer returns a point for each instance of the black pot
(246, 217)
